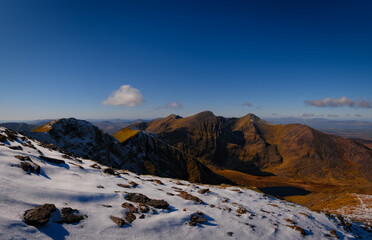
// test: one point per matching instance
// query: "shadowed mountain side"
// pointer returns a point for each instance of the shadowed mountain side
(18, 126)
(251, 145)
(139, 152)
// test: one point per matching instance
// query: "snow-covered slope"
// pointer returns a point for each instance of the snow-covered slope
(225, 212)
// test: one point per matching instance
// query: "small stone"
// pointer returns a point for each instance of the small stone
(96, 166)
(142, 216)
(241, 210)
(133, 184)
(143, 208)
(123, 185)
(202, 191)
(100, 186)
(119, 221)
(230, 234)
(130, 217)
(130, 206)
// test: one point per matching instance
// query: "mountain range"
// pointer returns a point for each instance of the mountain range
(291, 161)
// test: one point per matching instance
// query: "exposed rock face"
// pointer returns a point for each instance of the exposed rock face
(139, 152)
(251, 145)
(40, 215)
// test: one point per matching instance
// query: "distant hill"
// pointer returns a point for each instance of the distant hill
(18, 126)
(349, 128)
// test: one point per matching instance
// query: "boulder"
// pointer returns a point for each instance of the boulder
(40, 215)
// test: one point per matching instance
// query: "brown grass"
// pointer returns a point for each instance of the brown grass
(125, 133)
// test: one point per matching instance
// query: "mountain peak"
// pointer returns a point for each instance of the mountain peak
(204, 114)
(251, 116)
(173, 116)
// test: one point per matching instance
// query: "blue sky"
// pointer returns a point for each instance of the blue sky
(285, 58)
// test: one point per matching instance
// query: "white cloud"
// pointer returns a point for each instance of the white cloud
(125, 96)
(247, 104)
(340, 102)
(171, 105)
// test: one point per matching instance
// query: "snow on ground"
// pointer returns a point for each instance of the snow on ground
(69, 185)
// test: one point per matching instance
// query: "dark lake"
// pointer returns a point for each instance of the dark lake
(284, 191)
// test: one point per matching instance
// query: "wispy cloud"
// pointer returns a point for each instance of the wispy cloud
(358, 115)
(247, 104)
(171, 105)
(125, 96)
(308, 115)
(340, 102)
(332, 115)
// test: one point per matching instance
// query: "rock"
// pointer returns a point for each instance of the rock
(133, 184)
(28, 144)
(105, 205)
(140, 198)
(130, 206)
(96, 166)
(67, 156)
(188, 196)
(158, 203)
(109, 171)
(198, 219)
(137, 197)
(333, 232)
(52, 160)
(49, 145)
(123, 185)
(23, 158)
(40, 215)
(143, 208)
(16, 147)
(170, 194)
(192, 223)
(130, 217)
(230, 234)
(27, 167)
(37, 168)
(119, 221)
(2, 138)
(70, 215)
(241, 210)
(157, 181)
(100, 186)
(202, 191)
(142, 216)
(301, 230)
